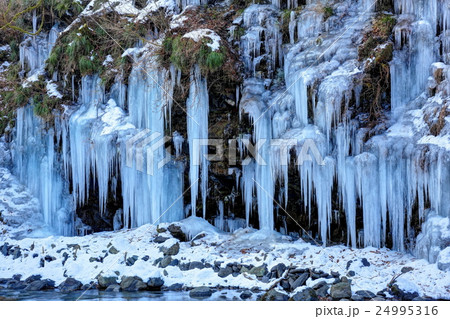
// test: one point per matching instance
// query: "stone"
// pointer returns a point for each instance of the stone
(69, 285)
(160, 239)
(113, 288)
(49, 258)
(5, 249)
(16, 253)
(174, 262)
(155, 283)
(285, 285)
(104, 282)
(131, 260)
(341, 290)
(145, 258)
(406, 269)
(351, 273)
(307, 294)
(335, 274)
(300, 281)
(171, 251)
(349, 264)
(16, 284)
(259, 271)
(39, 285)
(177, 232)
(184, 266)
(357, 298)
(175, 287)
(365, 262)
(200, 293)
(322, 292)
(32, 278)
(65, 257)
(165, 262)
(246, 294)
(365, 294)
(17, 277)
(134, 283)
(112, 250)
(279, 269)
(273, 295)
(320, 284)
(265, 279)
(224, 272)
(196, 265)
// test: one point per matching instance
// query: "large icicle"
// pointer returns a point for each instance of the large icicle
(197, 130)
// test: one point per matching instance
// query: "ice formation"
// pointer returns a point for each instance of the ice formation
(297, 96)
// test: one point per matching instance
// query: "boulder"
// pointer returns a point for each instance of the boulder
(341, 290)
(113, 288)
(69, 285)
(32, 278)
(131, 260)
(365, 294)
(259, 271)
(16, 284)
(165, 262)
(245, 294)
(300, 281)
(196, 265)
(39, 285)
(200, 293)
(177, 232)
(160, 239)
(104, 282)
(273, 295)
(133, 283)
(307, 294)
(155, 283)
(172, 250)
(365, 262)
(224, 272)
(278, 269)
(112, 250)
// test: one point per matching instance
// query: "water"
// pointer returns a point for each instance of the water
(97, 295)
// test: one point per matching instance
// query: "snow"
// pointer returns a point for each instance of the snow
(199, 34)
(108, 60)
(246, 246)
(441, 141)
(52, 90)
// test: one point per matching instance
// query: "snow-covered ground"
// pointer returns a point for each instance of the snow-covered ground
(107, 253)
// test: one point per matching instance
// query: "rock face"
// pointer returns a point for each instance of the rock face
(341, 290)
(200, 293)
(69, 285)
(134, 283)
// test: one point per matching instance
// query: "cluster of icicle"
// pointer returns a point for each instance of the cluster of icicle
(387, 175)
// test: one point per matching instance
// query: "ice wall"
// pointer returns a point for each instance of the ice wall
(38, 166)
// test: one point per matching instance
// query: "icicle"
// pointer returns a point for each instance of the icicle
(198, 110)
